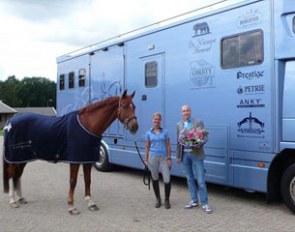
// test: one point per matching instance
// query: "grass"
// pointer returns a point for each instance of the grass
(1, 132)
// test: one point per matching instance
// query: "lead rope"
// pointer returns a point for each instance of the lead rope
(146, 173)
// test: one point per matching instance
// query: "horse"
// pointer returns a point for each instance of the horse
(73, 138)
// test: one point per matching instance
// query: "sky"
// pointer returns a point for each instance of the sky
(35, 32)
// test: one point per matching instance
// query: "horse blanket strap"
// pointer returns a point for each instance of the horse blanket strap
(30, 136)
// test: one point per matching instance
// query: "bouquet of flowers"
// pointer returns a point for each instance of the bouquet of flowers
(193, 137)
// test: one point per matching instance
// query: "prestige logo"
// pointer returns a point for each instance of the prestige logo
(250, 75)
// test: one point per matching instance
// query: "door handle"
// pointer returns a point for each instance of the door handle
(143, 97)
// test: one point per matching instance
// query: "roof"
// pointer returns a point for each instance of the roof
(48, 111)
(5, 109)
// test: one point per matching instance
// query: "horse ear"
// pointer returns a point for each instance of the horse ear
(125, 93)
(132, 95)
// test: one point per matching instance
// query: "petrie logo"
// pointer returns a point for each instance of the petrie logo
(250, 75)
(251, 89)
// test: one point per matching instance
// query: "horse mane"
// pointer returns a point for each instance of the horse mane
(96, 105)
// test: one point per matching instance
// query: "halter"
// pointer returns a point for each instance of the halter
(126, 120)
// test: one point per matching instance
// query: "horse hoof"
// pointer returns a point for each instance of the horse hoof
(93, 208)
(14, 205)
(74, 211)
(22, 201)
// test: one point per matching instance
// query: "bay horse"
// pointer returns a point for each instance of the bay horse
(73, 138)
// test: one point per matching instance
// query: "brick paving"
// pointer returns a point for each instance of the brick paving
(127, 205)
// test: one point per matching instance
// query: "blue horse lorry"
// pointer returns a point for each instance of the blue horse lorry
(234, 65)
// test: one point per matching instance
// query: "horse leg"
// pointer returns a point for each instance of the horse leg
(10, 175)
(17, 182)
(15, 172)
(87, 180)
(12, 202)
(74, 168)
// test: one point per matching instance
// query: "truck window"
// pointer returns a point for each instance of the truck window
(82, 74)
(71, 80)
(242, 50)
(62, 82)
(151, 74)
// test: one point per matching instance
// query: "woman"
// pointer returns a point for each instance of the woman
(158, 155)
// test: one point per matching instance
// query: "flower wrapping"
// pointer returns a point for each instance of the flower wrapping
(193, 137)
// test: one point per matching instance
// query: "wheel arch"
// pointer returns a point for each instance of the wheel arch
(276, 170)
(103, 163)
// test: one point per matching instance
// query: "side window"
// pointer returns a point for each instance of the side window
(293, 24)
(62, 81)
(71, 80)
(242, 50)
(151, 74)
(82, 75)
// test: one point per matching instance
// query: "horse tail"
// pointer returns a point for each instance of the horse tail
(5, 176)
(5, 168)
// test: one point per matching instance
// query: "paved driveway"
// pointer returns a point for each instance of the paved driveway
(127, 205)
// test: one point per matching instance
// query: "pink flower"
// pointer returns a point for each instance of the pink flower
(193, 137)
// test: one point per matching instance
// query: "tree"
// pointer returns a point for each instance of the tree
(9, 90)
(29, 92)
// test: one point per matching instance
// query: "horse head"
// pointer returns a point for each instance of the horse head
(126, 112)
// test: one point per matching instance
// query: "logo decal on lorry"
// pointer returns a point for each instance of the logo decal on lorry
(201, 45)
(202, 73)
(251, 18)
(201, 29)
(251, 103)
(250, 75)
(251, 125)
(251, 89)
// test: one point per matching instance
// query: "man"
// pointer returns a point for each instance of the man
(193, 162)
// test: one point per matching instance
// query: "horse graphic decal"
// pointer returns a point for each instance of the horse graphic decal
(251, 129)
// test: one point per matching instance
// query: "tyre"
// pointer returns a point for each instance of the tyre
(103, 164)
(288, 187)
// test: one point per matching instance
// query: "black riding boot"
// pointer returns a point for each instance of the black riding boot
(157, 193)
(167, 195)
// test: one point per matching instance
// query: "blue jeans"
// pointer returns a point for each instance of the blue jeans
(193, 168)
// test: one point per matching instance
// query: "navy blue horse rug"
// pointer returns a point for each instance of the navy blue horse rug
(30, 136)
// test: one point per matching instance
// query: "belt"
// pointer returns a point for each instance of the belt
(188, 150)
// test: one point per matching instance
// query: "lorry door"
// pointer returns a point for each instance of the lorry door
(288, 129)
(107, 79)
(152, 90)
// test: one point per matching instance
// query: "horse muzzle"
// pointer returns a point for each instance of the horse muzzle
(131, 124)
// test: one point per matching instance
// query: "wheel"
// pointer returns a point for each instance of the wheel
(103, 164)
(288, 187)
